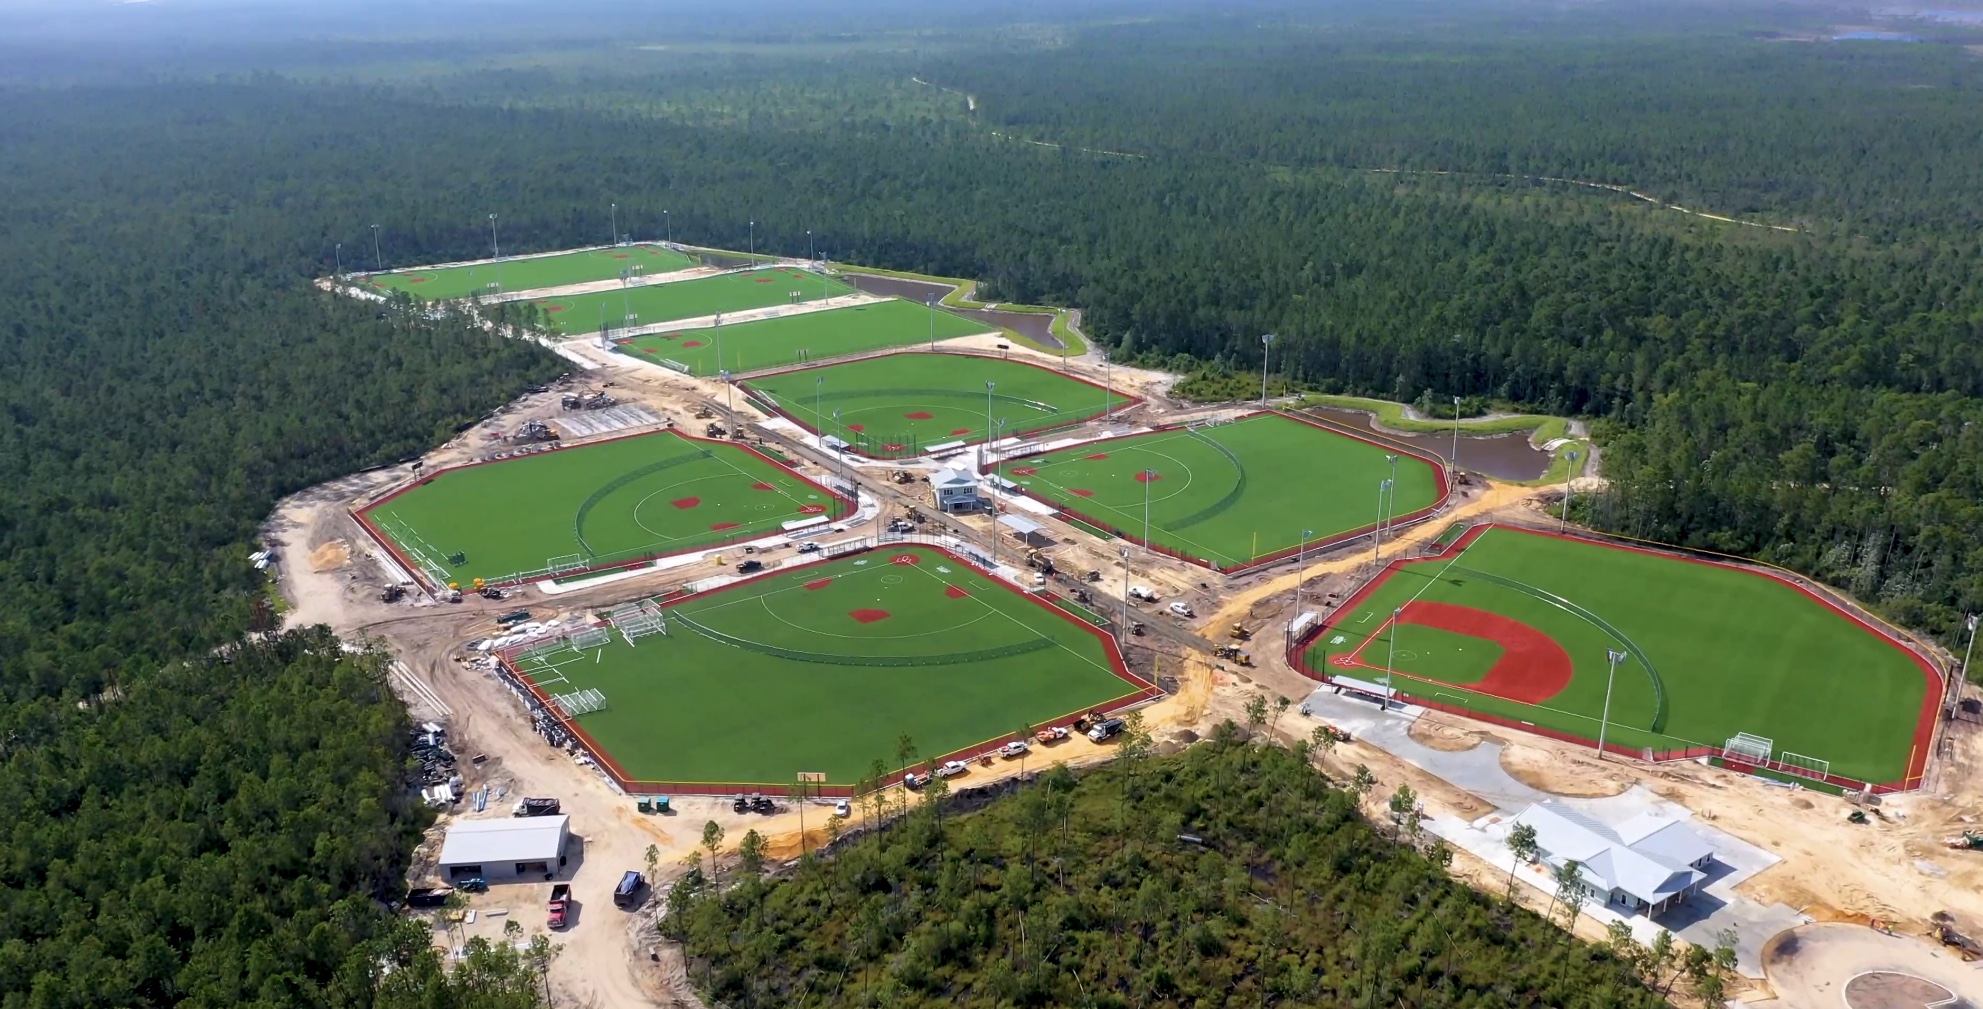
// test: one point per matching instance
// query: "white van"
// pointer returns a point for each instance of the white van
(1182, 610)
(1142, 592)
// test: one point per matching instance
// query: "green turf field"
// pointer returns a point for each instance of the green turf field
(823, 667)
(1733, 651)
(534, 272)
(897, 404)
(687, 299)
(769, 343)
(1230, 494)
(596, 505)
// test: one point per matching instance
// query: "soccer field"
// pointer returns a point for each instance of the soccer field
(1232, 495)
(687, 299)
(1517, 625)
(594, 506)
(822, 667)
(769, 343)
(899, 404)
(534, 272)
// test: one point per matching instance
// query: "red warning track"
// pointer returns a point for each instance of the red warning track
(1532, 669)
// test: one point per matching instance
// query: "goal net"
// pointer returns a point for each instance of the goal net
(1750, 749)
(638, 619)
(579, 702)
(590, 638)
(568, 562)
(1798, 763)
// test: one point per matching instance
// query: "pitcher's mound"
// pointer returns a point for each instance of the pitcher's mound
(1886, 989)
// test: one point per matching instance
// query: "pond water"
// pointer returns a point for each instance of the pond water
(1035, 326)
(1502, 456)
(1875, 37)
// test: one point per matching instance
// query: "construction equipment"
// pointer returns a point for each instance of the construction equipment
(392, 593)
(1051, 734)
(597, 399)
(1240, 632)
(714, 431)
(490, 592)
(535, 807)
(1946, 934)
(560, 904)
(1968, 840)
(704, 413)
(1233, 654)
(1082, 723)
(1856, 816)
(902, 476)
(531, 432)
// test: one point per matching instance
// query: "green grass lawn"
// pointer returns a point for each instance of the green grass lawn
(612, 502)
(897, 404)
(823, 667)
(1735, 651)
(534, 272)
(686, 299)
(1230, 494)
(769, 343)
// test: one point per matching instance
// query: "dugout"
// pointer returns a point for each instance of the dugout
(1026, 530)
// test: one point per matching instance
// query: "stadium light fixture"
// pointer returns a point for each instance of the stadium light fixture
(1300, 569)
(1453, 460)
(753, 244)
(1391, 506)
(669, 223)
(340, 260)
(378, 262)
(1391, 658)
(1377, 534)
(1568, 472)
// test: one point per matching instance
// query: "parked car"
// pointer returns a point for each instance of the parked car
(1015, 749)
(428, 896)
(627, 895)
(1182, 610)
(842, 809)
(808, 547)
(952, 768)
(746, 567)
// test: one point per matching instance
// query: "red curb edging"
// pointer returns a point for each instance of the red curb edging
(1145, 691)
(1924, 725)
(363, 515)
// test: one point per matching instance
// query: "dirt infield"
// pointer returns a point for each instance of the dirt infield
(1532, 668)
(1841, 963)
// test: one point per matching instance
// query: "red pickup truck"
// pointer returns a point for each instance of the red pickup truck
(560, 903)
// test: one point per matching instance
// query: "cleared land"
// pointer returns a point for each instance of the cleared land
(898, 404)
(1710, 651)
(1233, 494)
(769, 343)
(824, 667)
(687, 299)
(593, 506)
(534, 272)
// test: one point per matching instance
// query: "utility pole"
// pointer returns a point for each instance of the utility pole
(1391, 659)
(1604, 721)
(1301, 569)
(1149, 477)
(753, 245)
(1568, 472)
(378, 262)
(1266, 344)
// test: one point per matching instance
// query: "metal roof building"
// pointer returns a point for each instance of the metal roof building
(520, 847)
(1649, 862)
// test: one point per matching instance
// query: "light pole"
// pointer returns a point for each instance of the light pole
(1391, 507)
(1301, 569)
(1377, 541)
(1122, 633)
(716, 331)
(340, 260)
(1391, 659)
(753, 245)
(729, 401)
(613, 218)
(1149, 477)
(1453, 461)
(810, 256)
(1568, 472)
(1615, 657)
(669, 223)
(988, 417)
(842, 451)
(1266, 342)
(1956, 692)
(930, 303)
(1108, 387)
(378, 262)
(496, 253)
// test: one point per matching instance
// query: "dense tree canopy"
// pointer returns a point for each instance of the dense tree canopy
(168, 370)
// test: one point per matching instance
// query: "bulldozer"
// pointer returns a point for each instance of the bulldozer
(1968, 840)
(1232, 653)
(1241, 632)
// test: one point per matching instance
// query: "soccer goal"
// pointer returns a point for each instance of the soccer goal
(1748, 748)
(638, 619)
(590, 638)
(580, 702)
(568, 562)
(1809, 767)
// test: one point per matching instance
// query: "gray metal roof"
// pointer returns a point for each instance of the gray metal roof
(954, 478)
(1667, 840)
(515, 839)
(1605, 860)
(1021, 524)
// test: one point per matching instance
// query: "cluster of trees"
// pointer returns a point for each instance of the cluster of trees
(1230, 872)
(196, 816)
